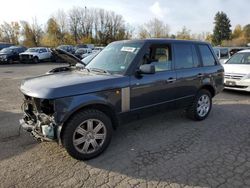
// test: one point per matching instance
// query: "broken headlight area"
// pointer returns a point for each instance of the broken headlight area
(39, 118)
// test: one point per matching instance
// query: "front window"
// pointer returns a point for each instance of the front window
(6, 50)
(116, 57)
(240, 58)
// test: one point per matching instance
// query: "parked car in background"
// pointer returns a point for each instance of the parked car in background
(11, 54)
(98, 48)
(224, 53)
(4, 45)
(91, 46)
(36, 55)
(82, 52)
(67, 48)
(237, 71)
(87, 59)
(81, 107)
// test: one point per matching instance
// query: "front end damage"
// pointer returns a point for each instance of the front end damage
(39, 118)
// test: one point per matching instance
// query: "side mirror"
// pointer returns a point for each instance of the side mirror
(147, 69)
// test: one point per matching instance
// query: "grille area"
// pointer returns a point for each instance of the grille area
(234, 76)
(25, 57)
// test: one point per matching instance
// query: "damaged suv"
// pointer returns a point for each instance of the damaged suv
(79, 106)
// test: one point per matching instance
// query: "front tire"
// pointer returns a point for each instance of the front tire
(201, 106)
(35, 60)
(10, 61)
(87, 134)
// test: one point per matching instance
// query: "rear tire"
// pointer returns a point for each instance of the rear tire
(201, 106)
(87, 134)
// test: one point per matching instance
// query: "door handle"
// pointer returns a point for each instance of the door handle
(171, 80)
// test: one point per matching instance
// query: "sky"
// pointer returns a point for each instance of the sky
(196, 15)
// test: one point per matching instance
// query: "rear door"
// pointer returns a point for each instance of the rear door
(188, 71)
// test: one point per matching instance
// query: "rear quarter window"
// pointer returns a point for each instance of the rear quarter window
(206, 55)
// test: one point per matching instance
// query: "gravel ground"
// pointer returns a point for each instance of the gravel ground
(166, 150)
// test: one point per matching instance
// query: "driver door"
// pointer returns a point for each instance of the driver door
(154, 89)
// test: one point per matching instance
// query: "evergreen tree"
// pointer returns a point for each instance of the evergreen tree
(222, 27)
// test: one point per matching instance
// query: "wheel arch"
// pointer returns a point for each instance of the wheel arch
(106, 109)
(209, 88)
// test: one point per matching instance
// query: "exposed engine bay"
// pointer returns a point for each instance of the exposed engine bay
(39, 118)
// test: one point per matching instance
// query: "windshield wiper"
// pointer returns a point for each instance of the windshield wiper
(99, 70)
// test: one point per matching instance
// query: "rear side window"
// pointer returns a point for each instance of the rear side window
(185, 56)
(206, 56)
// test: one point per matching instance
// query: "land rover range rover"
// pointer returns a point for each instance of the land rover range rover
(80, 106)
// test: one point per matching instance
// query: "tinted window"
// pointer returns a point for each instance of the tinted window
(185, 56)
(206, 56)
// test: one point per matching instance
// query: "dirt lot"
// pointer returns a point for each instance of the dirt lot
(166, 150)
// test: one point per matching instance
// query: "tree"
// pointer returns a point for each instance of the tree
(238, 32)
(32, 33)
(222, 27)
(53, 33)
(184, 34)
(154, 29)
(61, 18)
(10, 32)
(246, 31)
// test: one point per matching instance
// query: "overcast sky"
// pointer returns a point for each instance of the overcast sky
(196, 15)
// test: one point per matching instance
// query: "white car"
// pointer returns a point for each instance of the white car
(36, 55)
(237, 71)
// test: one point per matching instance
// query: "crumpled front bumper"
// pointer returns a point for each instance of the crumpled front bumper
(36, 134)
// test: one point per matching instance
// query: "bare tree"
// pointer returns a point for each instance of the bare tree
(184, 34)
(74, 22)
(154, 29)
(32, 34)
(10, 32)
(62, 21)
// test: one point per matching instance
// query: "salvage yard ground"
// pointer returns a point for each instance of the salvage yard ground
(166, 150)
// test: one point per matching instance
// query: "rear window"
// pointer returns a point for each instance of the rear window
(224, 54)
(206, 56)
(185, 56)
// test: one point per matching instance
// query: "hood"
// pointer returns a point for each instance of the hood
(68, 57)
(28, 53)
(64, 84)
(237, 68)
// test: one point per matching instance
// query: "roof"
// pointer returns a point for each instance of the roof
(243, 51)
(161, 40)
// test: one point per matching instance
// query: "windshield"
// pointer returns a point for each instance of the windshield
(240, 58)
(6, 50)
(116, 57)
(33, 50)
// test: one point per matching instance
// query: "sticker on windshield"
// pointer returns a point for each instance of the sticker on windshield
(128, 49)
